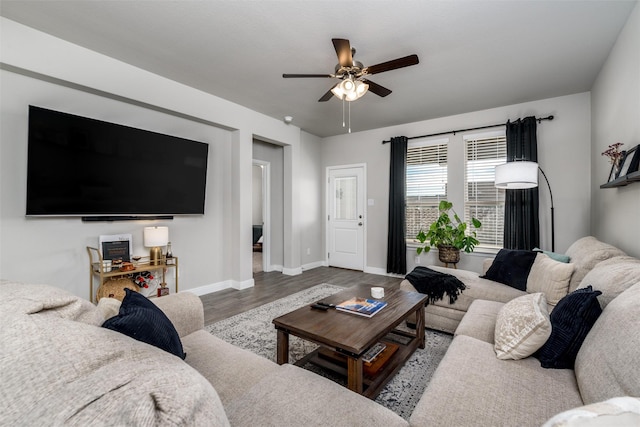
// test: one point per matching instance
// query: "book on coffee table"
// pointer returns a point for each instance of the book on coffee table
(361, 306)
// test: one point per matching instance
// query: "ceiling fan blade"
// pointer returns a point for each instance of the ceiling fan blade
(343, 50)
(377, 89)
(391, 65)
(327, 96)
(298, 76)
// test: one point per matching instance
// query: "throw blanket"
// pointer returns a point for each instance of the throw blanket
(435, 284)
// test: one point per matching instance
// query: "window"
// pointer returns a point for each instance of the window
(482, 200)
(426, 183)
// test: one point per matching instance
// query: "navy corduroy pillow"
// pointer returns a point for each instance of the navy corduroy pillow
(141, 319)
(571, 321)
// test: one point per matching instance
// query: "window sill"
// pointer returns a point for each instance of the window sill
(478, 251)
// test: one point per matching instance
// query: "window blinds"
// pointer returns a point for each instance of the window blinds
(482, 200)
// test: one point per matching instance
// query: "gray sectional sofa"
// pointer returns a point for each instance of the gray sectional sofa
(59, 367)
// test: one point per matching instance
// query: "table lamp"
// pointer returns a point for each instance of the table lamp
(154, 238)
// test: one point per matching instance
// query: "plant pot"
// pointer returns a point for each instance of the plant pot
(448, 254)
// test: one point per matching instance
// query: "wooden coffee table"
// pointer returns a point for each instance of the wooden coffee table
(350, 335)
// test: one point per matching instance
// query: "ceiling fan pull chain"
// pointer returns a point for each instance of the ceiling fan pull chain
(349, 117)
(343, 122)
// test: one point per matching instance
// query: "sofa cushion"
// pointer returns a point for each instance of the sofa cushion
(571, 321)
(522, 327)
(49, 301)
(612, 277)
(480, 320)
(607, 363)
(585, 253)
(141, 319)
(549, 277)
(619, 412)
(471, 387)
(71, 373)
(230, 369)
(511, 267)
(293, 397)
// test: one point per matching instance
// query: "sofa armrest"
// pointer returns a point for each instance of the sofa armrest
(486, 264)
(185, 311)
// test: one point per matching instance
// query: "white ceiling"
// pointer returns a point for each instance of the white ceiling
(473, 55)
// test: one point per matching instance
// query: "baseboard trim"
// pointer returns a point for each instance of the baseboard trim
(382, 272)
(313, 265)
(292, 271)
(220, 286)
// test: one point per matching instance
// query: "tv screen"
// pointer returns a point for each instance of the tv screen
(84, 167)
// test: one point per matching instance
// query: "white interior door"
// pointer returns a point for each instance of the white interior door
(346, 222)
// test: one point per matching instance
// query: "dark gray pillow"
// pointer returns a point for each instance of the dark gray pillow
(571, 321)
(141, 319)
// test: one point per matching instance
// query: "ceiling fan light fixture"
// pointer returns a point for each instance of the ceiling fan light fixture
(350, 89)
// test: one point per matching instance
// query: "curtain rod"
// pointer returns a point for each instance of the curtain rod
(539, 119)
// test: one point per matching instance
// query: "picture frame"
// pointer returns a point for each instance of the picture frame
(629, 162)
(613, 173)
(116, 247)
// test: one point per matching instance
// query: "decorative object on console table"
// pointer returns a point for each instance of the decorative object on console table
(520, 175)
(448, 236)
(154, 238)
(116, 247)
(169, 260)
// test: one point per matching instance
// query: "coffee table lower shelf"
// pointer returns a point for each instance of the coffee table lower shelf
(378, 373)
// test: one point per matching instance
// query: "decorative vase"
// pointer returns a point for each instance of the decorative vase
(448, 254)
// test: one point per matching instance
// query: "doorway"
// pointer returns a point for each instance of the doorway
(260, 215)
(346, 216)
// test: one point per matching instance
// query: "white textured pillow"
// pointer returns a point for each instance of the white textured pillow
(549, 277)
(522, 327)
(618, 411)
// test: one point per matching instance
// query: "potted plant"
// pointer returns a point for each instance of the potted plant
(449, 234)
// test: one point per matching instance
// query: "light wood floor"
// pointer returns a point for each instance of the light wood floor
(274, 285)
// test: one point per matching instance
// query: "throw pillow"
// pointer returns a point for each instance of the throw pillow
(511, 267)
(522, 327)
(141, 319)
(571, 321)
(554, 255)
(549, 277)
(618, 411)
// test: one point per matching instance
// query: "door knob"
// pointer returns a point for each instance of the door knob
(360, 224)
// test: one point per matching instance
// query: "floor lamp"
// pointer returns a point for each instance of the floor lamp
(519, 175)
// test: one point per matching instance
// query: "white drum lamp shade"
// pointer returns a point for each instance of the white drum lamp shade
(154, 238)
(520, 175)
(517, 175)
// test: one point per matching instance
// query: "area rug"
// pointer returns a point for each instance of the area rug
(253, 331)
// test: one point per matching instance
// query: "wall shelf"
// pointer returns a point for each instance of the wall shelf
(623, 180)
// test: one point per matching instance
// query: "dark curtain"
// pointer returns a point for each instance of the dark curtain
(396, 245)
(521, 225)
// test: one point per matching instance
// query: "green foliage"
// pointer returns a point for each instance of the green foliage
(446, 232)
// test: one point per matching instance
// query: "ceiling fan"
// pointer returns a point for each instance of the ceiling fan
(353, 74)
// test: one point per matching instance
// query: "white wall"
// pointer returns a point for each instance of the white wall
(563, 153)
(312, 244)
(616, 118)
(214, 249)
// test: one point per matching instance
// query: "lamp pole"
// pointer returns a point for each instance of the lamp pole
(553, 233)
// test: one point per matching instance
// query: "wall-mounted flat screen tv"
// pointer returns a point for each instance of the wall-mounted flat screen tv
(84, 167)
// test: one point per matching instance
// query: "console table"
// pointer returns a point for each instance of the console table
(96, 271)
